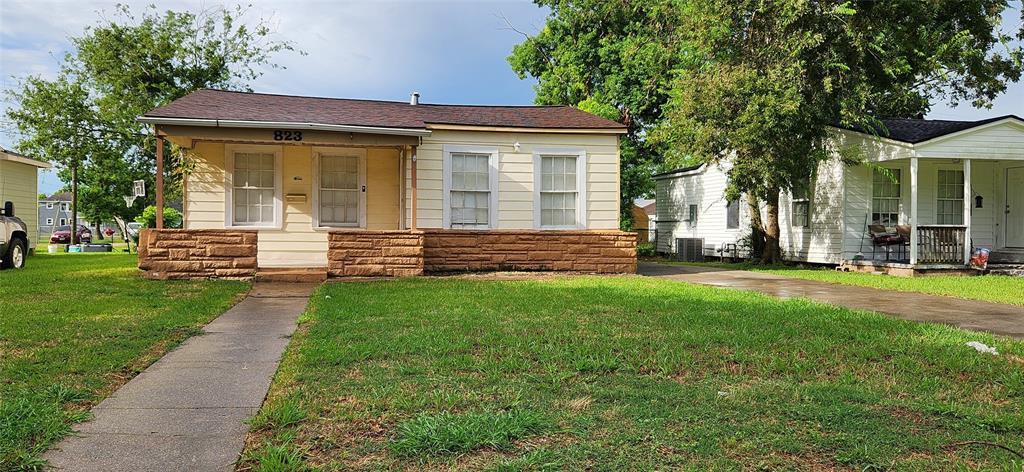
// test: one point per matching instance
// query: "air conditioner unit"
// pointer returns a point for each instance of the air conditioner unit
(690, 249)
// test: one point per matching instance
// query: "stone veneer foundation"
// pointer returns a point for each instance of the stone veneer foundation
(375, 253)
(595, 251)
(173, 254)
(197, 253)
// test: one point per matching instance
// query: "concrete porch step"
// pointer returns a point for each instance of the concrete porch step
(292, 274)
(1006, 256)
(1016, 270)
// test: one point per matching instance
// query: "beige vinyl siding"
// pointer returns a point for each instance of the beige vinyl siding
(296, 244)
(706, 189)
(515, 179)
(19, 185)
(204, 196)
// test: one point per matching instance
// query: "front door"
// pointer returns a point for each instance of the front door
(1015, 207)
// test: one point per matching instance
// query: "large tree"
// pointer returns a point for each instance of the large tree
(772, 80)
(762, 83)
(612, 58)
(85, 120)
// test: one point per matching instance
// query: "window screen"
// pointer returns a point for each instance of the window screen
(253, 185)
(339, 190)
(470, 190)
(558, 191)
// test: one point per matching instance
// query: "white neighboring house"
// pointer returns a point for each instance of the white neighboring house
(958, 185)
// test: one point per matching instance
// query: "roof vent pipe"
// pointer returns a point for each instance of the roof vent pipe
(414, 99)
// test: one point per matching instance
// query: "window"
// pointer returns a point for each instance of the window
(65, 206)
(49, 205)
(692, 219)
(470, 194)
(802, 205)
(49, 222)
(885, 198)
(63, 222)
(732, 214)
(340, 193)
(950, 206)
(253, 189)
(559, 188)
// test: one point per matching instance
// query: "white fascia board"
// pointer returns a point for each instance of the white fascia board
(283, 125)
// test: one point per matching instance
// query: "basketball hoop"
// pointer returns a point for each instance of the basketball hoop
(129, 200)
(139, 188)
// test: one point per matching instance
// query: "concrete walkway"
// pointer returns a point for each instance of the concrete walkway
(997, 318)
(187, 411)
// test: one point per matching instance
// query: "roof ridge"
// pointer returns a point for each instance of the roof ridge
(397, 102)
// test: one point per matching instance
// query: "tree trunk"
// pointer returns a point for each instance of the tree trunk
(772, 252)
(74, 204)
(756, 227)
(99, 229)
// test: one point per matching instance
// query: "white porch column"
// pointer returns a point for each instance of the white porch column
(913, 211)
(968, 197)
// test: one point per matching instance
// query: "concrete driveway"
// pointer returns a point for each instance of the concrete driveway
(975, 315)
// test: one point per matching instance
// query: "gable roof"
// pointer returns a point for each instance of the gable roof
(247, 107)
(64, 196)
(8, 155)
(913, 131)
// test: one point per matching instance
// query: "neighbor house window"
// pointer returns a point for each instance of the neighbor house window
(253, 189)
(63, 221)
(340, 190)
(950, 206)
(65, 206)
(692, 217)
(885, 197)
(49, 205)
(49, 222)
(470, 181)
(732, 214)
(802, 205)
(559, 189)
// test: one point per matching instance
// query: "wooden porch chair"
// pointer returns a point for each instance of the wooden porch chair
(882, 238)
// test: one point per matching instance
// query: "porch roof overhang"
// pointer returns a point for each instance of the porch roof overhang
(210, 123)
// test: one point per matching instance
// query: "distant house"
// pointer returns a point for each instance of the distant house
(19, 184)
(643, 213)
(932, 190)
(54, 211)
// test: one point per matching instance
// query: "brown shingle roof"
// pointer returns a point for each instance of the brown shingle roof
(212, 104)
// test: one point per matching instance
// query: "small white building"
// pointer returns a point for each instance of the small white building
(951, 186)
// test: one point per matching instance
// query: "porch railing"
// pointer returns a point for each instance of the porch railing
(940, 244)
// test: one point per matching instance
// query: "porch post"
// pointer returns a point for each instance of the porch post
(968, 194)
(913, 211)
(159, 179)
(412, 192)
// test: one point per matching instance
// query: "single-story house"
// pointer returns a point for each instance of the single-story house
(284, 184)
(930, 192)
(19, 184)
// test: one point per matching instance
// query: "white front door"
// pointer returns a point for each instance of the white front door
(1015, 207)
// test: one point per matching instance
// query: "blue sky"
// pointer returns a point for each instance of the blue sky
(451, 52)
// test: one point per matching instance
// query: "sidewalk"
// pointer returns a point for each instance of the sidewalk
(1007, 320)
(188, 410)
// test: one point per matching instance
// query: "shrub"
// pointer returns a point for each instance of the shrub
(172, 218)
(645, 249)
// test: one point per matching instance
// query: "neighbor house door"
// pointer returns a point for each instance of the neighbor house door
(1015, 207)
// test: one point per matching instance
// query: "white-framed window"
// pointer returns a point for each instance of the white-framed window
(732, 214)
(560, 188)
(885, 198)
(49, 205)
(470, 187)
(49, 222)
(801, 217)
(65, 206)
(339, 200)
(949, 209)
(254, 186)
(63, 222)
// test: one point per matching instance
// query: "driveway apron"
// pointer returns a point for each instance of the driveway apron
(188, 410)
(1007, 320)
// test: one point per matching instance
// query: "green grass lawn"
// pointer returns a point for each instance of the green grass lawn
(989, 288)
(73, 327)
(628, 373)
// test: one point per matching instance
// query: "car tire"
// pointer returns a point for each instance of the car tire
(16, 253)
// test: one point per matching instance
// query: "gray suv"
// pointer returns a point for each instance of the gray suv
(13, 239)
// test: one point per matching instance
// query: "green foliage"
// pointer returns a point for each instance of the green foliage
(125, 65)
(172, 217)
(277, 458)
(63, 348)
(448, 433)
(280, 413)
(646, 249)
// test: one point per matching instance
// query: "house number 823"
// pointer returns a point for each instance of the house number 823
(287, 135)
